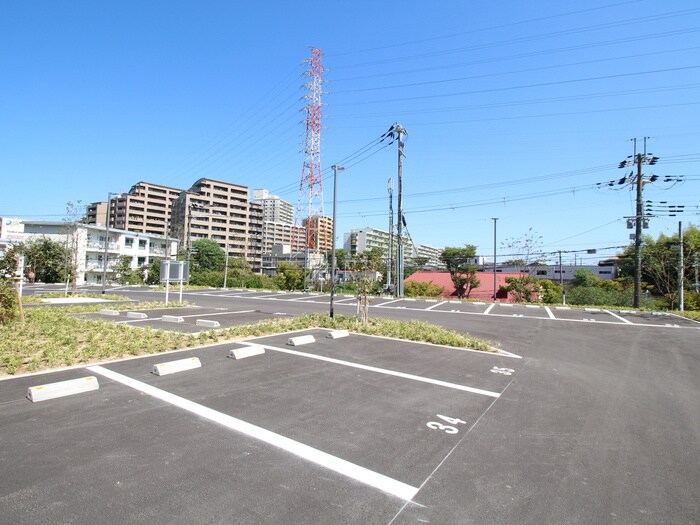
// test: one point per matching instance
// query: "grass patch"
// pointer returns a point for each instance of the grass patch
(52, 338)
(37, 299)
(689, 314)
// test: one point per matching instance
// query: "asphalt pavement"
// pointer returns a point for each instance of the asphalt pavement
(594, 419)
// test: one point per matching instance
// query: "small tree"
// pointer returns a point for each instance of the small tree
(365, 266)
(523, 288)
(525, 250)
(75, 215)
(459, 262)
(239, 271)
(150, 273)
(207, 255)
(45, 258)
(122, 269)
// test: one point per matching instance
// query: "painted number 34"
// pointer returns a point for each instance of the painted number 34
(447, 429)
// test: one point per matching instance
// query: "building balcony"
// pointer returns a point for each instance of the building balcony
(93, 245)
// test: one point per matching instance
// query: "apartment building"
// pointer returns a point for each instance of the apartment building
(275, 209)
(146, 208)
(221, 211)
(320, 232)
(89, 240)
(359, 240)
(281, 233)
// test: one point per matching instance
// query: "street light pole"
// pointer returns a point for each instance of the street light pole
(336, 169)
(494, 257)
(105, 255)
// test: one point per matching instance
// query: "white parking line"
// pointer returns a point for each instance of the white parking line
(627, 321)
(436, 305)
(549, 312)
(437, 382)
(388, 302)
(373, 479)
(491, 306)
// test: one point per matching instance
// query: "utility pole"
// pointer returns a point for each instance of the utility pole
(390, 262)
(638, 218)
(681, 268)
(398, 131)
(336, 169)
(639, 159)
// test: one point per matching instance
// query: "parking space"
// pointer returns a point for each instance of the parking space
(360, 422)
(186, 319)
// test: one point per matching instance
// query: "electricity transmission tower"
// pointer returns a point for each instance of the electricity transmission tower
(310, 202)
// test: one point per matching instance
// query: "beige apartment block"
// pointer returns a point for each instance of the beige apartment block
(221, 211)
(146, 208)
(282, 233)
(319, 230)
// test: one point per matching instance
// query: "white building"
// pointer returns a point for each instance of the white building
(275, 209)
(361, 239)
(555, 273)
(90, 241)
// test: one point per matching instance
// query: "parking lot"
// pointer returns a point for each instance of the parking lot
(344, 430)
(595, 420)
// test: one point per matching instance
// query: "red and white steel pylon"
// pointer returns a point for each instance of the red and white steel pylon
(310, 204)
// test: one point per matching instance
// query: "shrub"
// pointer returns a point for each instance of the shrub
(422, 289)
(9, 308)
(210, 278)
(691, 300)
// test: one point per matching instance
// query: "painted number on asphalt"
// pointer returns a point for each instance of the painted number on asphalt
(504, 371)
(447, 429)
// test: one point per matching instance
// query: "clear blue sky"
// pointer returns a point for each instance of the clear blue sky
(513, 109)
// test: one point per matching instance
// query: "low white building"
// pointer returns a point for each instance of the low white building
(556, 273)
(90, 240)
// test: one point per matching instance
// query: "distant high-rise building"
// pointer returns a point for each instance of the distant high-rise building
(221, 211)
(146, 208)
(281, 233)
(275, 209)
(321, 232)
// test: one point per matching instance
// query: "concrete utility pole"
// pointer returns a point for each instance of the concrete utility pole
(336, 169)
(390, 261)
(638, 235)
(399, 131)
(639, 159)
(681, 267)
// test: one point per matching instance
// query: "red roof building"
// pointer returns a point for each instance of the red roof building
(482, 292)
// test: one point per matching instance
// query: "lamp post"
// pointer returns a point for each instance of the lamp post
(104, 262)
(336, 169)
(494, 257)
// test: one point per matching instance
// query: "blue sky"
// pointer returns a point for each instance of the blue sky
(515, 110)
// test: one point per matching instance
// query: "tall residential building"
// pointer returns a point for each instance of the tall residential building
(221, 211)
(274, 208)
(281, 233)
(322, 232)
(146, 208)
